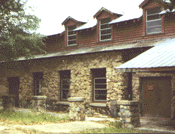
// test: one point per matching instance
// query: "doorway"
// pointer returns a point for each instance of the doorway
(14, 88)
(156, 96)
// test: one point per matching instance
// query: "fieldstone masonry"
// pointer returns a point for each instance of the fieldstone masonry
(77, 108)
(129, 113)
(39, 103)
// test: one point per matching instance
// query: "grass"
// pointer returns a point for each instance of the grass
(115, 127)
(29, 118)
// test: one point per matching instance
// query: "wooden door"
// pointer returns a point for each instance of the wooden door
(156, 96)
(14, 88)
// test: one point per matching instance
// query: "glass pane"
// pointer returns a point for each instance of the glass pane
(107, 20)
(153, 11)
(154, 23)
(105, 26)
(71, 32)
(105, 37)
(66, 86)
(100, 80)
(106, 31)
(100, 86)
(71, 27)
(101, 92)
(65, 81)
(154, 30)
(153, 17)
(71, 42)
(65, 94)
(71, 37)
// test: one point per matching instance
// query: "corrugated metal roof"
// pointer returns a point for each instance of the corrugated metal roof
(161, 55)
(128, 16)
(96, 49)
(89, 24)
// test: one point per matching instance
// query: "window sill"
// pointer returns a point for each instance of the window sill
(153, 34)
(98, 104)
(66, 103)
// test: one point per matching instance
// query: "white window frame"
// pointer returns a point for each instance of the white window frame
(62, 89)
(105, 29)
(69, 35)
(155, 26)
(100, 88)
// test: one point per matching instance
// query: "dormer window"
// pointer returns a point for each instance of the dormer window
(105, 29)
(71, 36)
(153, 21)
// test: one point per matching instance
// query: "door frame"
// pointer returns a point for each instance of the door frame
(17, 95)
(141, 87)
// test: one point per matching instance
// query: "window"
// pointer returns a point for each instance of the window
(65, 84)
(71, 36)
(105, 29)
(100, 89)
(38, 79)
(99, 84)
(153, 21)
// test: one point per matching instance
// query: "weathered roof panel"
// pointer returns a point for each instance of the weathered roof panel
(161, 55)
(96, 49)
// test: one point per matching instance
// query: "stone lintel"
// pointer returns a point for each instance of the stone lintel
(62, 103)
(127, 102)
(97, 104)
(39, 97)
(76, 99)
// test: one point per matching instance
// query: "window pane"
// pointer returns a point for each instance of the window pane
(154, 23)
(153, 11)
(71, 27)
(72, 37)
(106, 31)
(154, 30)
(105, 37)
(100, 80)
(153, 17)
(66, 86)
(66, 81)
(65, 94)
(71, 42)
(105, 26)
(100, 86)
(101, 92)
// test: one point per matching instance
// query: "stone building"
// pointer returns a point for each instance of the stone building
(81, 62)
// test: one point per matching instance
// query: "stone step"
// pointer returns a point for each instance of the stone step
(102, 119)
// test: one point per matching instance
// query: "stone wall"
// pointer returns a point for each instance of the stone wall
(80, 67)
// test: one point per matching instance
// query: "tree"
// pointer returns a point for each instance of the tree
(167, 4)
(17, 36)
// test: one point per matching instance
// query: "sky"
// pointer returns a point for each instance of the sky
(53, 12)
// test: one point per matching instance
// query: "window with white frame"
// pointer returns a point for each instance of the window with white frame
(71, 36)
(65, 84)
(100, 90)
(99, 84)
(105, 29)
(153, 21)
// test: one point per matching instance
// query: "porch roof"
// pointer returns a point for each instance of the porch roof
(160, 56)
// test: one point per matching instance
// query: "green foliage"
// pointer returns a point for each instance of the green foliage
(116, 124)
(29, 117)
(17, 36)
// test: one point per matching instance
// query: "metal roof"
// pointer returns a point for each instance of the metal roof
(88, 50)
(161, 55)
(125, 17)
(89, 24)
(128, 16)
